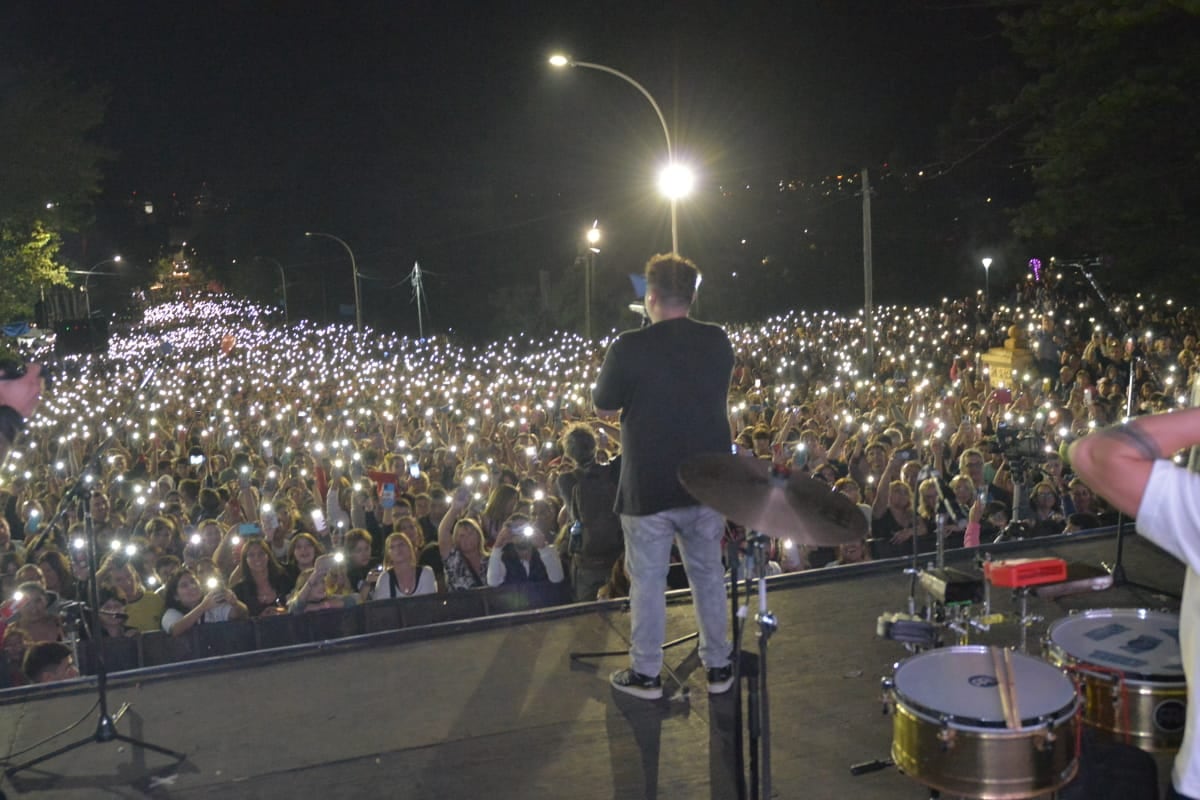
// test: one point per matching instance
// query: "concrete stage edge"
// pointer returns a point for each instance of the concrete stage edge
(496, 707)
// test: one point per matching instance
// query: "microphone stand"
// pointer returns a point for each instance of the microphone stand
(1117, 570)
(106, 725)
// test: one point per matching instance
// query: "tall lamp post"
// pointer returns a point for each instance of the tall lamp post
(675, 180)
(354, 269)
(87, 292)
(282, 283)
(589, 269)
(987, 282)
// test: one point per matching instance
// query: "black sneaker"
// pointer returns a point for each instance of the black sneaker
(637, 684)
(720, 679)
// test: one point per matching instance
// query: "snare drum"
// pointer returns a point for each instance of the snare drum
(1129, 664)
(949, 731)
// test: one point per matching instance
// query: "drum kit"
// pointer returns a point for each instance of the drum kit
(975, 720)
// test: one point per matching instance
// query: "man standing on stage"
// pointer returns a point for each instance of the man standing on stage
(1129, 465)
(670, 383)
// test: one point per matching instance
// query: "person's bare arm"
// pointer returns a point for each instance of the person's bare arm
(1116, 461)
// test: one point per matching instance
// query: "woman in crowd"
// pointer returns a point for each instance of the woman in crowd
(56, 570)
(895, 522)
(502, 502)
(322, 588)
(145, 608)
(401, 576)
(358, 557)
(930, 507)
(303, 552)
(262, 585)
(188, 604)
(461, 543)
(1047, 518)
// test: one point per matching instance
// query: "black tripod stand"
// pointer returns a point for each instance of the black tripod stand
(1118, 568)
(106, 725)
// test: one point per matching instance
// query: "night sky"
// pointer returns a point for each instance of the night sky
(436, 131)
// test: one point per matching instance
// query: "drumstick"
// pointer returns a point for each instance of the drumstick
(1011, 677)
(1002, 687)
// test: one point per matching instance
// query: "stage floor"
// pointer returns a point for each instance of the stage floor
(499, 709)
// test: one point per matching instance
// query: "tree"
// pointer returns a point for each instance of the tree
(1111, 130)
(27, 262)
(51, 170)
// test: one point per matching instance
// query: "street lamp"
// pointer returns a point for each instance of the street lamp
(282, 283)
(87, 292)
(354, 269)
(987, 283)
(589, 269)
(675, 180)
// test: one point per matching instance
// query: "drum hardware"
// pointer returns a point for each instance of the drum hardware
(768, 500)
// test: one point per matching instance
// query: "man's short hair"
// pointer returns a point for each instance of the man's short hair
(579, 443)
(42, 658)
(673, 278)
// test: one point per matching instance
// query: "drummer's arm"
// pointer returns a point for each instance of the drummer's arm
(1116, 461)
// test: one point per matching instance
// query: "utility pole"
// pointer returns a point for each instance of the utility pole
(868, 309)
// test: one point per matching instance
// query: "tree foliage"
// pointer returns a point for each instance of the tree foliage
(1111, 136)
(49, 157)
(27, 262)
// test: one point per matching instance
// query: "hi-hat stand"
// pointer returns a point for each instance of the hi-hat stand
(106, 725)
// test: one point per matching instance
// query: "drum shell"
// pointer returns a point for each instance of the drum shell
(1148, 701)
(1157, 703)
(987, 763)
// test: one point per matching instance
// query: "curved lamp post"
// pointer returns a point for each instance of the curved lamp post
(354, 269)
(675, 180)
(87, 292)
(282, 283)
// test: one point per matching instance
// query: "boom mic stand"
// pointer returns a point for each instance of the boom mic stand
(1117, 570)
(106, 725)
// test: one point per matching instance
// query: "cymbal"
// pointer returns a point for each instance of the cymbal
(796, 506)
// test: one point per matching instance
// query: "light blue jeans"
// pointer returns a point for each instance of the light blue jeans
(648, 539)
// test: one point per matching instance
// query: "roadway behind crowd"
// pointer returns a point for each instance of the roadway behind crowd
(266, 470)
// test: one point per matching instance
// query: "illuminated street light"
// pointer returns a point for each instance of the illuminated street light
(589, 269)
(674, 186)
(676, 181)
(987, 284)
(87, 293)
(354, 270)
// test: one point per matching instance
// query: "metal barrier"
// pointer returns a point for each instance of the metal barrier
(241, 636)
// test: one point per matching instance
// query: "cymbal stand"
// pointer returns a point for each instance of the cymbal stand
(760, 723)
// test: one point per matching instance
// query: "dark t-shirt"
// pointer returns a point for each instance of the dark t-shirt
(671, 383)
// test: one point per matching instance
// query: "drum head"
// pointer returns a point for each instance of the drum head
(1141, 644)
(960, 683)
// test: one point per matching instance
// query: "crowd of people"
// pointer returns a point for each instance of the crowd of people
(230, 466)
